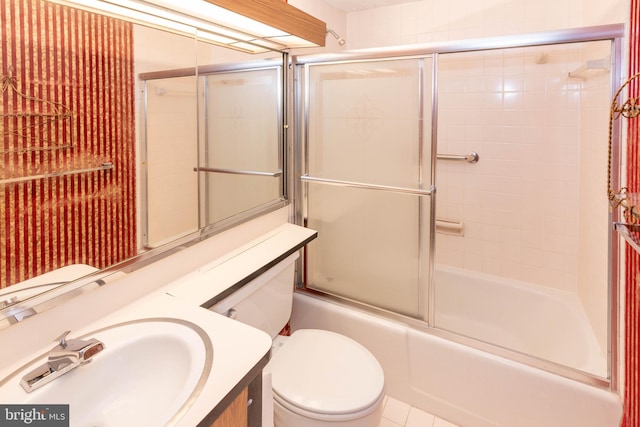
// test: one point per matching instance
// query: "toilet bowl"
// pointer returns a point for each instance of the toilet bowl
(323, 378)
(319, 378)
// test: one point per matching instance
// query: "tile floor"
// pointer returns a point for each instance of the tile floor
(400, 414)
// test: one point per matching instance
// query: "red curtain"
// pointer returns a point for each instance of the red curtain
(67, 105)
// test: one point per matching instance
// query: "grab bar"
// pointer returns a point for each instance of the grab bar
(362, 185)
(471, 157)
(238, 171)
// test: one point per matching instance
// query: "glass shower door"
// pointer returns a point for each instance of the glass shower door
(368, 180)
(536, 231)
(240, 159)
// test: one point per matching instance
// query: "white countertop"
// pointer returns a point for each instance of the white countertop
(254, 257)
(237, 348)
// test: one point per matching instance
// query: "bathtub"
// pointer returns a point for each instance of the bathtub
(467, 386)
(518, 316)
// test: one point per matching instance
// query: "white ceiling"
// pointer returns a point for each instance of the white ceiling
(351, 5)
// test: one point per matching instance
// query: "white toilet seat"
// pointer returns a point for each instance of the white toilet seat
(326, 376)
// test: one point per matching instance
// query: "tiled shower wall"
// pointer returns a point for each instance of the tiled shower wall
(519, 204)
(533, 208)
(593, 252)
(436, 20)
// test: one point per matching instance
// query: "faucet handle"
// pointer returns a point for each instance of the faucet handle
(80, 348)
(62, 339)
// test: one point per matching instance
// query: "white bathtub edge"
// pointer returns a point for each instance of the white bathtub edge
(464, 385)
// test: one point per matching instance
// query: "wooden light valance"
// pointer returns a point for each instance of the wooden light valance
(279, 14)
(252, 26)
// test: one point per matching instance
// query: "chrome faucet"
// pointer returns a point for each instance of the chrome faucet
(67, 355)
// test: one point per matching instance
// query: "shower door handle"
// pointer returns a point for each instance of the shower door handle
(238, 171)
(362, 185)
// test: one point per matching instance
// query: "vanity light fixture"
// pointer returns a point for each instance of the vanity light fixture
(252, 26)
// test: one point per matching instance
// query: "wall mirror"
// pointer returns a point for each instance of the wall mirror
(120, 143)
(232, 110)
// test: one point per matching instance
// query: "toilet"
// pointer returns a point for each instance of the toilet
(319, 378)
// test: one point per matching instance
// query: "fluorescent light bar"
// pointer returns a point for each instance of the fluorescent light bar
(220, 25)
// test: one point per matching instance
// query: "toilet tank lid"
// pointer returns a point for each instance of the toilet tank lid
(326, 373)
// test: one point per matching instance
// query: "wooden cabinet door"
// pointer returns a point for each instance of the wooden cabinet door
(236, 414)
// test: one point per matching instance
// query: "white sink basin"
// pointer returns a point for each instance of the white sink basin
(148, 374)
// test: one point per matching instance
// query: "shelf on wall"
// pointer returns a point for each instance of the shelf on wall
(626, 231)
(103, 167)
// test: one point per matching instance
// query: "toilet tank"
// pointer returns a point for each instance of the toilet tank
(265, 302)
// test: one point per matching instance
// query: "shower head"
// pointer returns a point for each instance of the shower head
(341, 41)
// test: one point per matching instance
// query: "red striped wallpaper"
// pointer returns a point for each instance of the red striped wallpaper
(67, 105)
(632, 287)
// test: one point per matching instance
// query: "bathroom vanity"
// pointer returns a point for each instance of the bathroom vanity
(179, 288)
